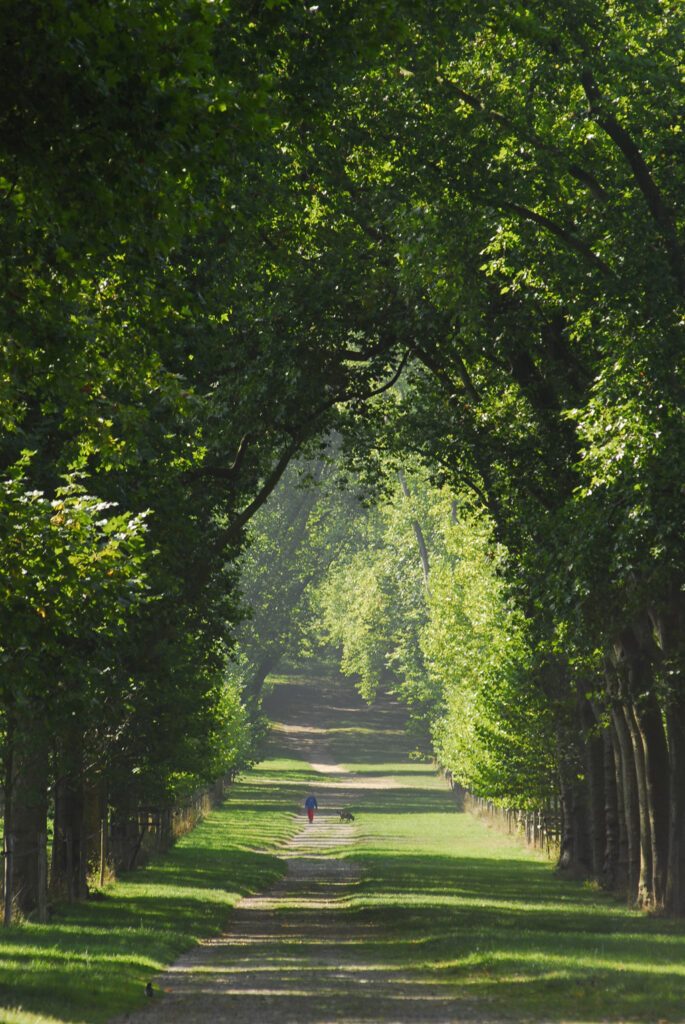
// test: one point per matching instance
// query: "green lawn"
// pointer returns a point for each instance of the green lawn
(92, 960)
(478, 910)
(444, 892)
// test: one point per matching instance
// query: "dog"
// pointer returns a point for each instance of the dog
(346, 815)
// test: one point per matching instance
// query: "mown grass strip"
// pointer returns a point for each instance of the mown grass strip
(443, 892)
(92, 960)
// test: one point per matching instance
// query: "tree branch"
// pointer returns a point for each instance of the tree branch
(393, 380)
(439, 371)
(624, 142)
(232, 531)
(585, 177)
(492, 502)
(223, 472)
(418, 533)
(569, 239)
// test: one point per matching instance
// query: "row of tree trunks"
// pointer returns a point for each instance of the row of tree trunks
(675, 880)
(82, 845)
(668, 623)
(596, 788)
(645, 744)
(70, 847)
(625, 824)
(615, 857)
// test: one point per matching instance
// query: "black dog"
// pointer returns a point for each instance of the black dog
(346, 815)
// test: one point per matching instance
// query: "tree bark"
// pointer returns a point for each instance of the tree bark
(650, 724)
(593, 752)
(575, 852)
(675, 882)
(613, 868)
(69, 848)
(94, 808)
(635, 657)
(629, 804)
(668, 622)
(267, 664)
(644, 886)
(26, 811)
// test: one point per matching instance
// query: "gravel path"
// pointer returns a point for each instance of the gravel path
(292, 954)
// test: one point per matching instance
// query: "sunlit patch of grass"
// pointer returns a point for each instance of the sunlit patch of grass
(278, 770)
(477, 911)
(24, 1017)
(440, 894)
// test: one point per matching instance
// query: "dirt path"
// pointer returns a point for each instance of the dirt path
(291, 953)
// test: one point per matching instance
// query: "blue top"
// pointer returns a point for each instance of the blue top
(310, 803)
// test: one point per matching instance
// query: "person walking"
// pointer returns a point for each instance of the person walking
(311, 805)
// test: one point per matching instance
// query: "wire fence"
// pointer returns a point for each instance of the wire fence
(152, 830)
(120, 843)
(540, 828)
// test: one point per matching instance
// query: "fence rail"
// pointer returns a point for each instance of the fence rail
(540, 828)
(120, 843)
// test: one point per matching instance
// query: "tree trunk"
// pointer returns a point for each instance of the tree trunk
(264, 667)
(103, 846)
(645, 891)
(8, 879)
(668, 622)
(574, 848)
(92, 815)
(69, 848)
(593, 752)
(26, 811)
(614, 871)
(650, 723)
(630, 804)
(636, 654)
(675, 884)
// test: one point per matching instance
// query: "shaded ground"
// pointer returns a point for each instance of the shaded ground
(296, 953)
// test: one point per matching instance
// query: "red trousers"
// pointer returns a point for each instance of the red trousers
(310, 813)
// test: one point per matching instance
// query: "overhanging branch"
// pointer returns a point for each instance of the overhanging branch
(622, 139)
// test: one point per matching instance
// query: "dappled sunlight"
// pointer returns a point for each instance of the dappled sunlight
(413, 913)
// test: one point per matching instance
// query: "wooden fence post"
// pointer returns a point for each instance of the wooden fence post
(9, 880)
(103, 847)
(42, 878)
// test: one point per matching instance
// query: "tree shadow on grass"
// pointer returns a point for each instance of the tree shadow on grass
(511, 931)
(91, 961)
(401, 801)
(151, 917)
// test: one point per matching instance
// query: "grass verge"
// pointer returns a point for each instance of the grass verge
(446, 893)
(92, 960)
